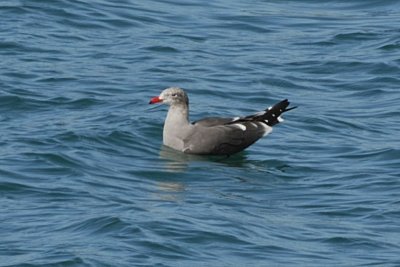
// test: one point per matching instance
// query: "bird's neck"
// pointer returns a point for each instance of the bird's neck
(176, 126)
(178, 116)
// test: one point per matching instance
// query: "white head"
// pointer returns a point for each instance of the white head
(171, 96)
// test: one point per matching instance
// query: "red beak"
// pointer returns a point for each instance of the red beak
(155, 99)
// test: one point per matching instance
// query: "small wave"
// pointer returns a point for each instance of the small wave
(355, 36)
(164, 49)
(96, 226)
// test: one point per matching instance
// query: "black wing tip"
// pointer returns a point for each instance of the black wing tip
(287, 109)
(283, 105)
(287, 103)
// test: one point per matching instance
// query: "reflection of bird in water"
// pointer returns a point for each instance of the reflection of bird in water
(170, 191)
(175, 161)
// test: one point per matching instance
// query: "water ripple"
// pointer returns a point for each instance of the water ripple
(85, 180)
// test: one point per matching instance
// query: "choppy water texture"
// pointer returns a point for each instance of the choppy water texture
(85, 181)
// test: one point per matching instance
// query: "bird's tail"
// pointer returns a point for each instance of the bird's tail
(272, 115)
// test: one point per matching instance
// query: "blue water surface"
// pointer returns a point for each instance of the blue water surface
(85, 180)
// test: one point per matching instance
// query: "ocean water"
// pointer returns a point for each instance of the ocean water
(85, 180)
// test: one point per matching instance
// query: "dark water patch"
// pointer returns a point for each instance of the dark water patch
(382, 68)
(375, 155)
(86, 24)
(391, 47)
(71, 261)
(16, 195)
(19, 75)
(355, 36)
(10, 46)
(96, 226)
(68, 37)
(163, 49)
(55, 80)
(12, 101)
(57, 163)
(78, 104)
(14, 48)
(244, 27)
(14, 104)
(165, 250)
(120, 23)
(279, 82)
(193, 37)
(385, 81)
(361, 243)
(14, 188)
(120, 138)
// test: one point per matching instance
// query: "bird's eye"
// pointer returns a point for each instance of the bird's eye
(174, 95)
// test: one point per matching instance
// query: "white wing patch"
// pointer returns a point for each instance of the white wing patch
(240, 126)
(235, 119)
(267, 129)
(280, 119)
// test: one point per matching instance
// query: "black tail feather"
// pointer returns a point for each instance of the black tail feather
(271, 115)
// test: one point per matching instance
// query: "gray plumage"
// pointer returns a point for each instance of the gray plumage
(213, 136)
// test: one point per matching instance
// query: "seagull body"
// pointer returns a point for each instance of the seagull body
(213, 136)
